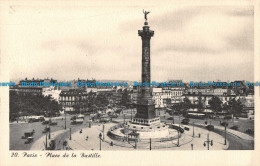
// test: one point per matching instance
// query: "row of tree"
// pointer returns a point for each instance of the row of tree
(233, 106)
(100, 101)
(28, 104)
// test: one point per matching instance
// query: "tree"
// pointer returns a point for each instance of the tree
(101, 100)
(186, 104)
(125, 99)
(235, 107)
(29, 104)
(200, 105)
(183, 106)
(215, 103)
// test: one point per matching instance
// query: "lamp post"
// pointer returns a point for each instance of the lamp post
(208, 142)
(193, 130)
(179, 131)
(103, 132)
(225, 143)
(46, 142)
(65, 120)
(50, 132)
(100, 137)
(135, 143)
(70, 133)
(150, 144)
(131, 112)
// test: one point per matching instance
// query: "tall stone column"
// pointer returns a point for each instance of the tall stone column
(145, 104)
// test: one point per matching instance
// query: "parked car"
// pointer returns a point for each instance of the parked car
(29, 140)
(181, 130)
(170, 118)
(224, 124)
(53, 123)
(227, 117)
(185, 121)
(113, 115)
(104, 120)
(210, 127)
(28, 134)
(235, 127)
(45, 122)
(186, 128)
(73, 118)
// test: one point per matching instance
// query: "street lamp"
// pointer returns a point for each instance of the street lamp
(225, 143)
(179, 131)
(70, 133)
(49, 132)
(46, 146)
(65, 143)
(103, 132)
(208, 142)
(150, 144)
(65, 119)
(100, 137)
(193, 130)
(131, 112)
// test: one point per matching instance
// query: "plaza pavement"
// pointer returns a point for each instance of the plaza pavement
(40, 143)
(79, 141)
(233, 132)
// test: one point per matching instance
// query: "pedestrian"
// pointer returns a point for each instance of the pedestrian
(199, 135)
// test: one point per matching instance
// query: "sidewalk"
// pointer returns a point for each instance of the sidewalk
(230, 131)
(19, 122)
(79, 141)
(40, 143)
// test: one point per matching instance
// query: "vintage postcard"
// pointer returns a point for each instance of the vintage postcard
(129, 83)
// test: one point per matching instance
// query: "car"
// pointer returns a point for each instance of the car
(104, 120)
(113, 116)
(227, 117)
(185, 121)
(29, 140)
(224, 124)
(28, 134)
(73, 118)
(170, 118)
(235, 127)
(53, 123)
(176, 127)
(186, 128)
(210, 127)
(45, 122)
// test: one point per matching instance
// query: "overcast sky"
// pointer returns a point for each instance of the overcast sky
(190, 43)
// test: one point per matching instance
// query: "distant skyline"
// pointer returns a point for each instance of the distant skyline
(196, 43)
